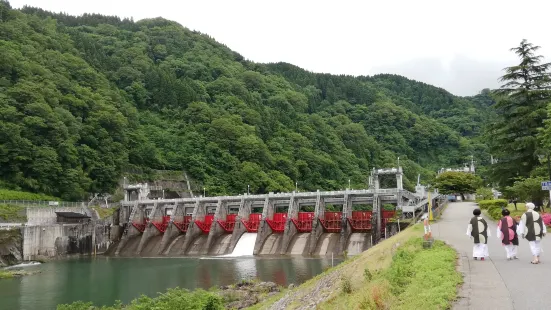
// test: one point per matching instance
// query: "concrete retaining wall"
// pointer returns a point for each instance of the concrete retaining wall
(45, 216)
(59, 240)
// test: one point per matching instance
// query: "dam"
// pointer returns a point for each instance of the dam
(317, 223)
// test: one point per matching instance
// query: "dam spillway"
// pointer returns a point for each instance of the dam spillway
(283, 223)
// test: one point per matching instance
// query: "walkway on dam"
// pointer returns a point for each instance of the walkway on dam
(495, 283)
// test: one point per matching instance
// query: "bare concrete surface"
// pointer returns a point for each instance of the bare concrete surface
(495, 283)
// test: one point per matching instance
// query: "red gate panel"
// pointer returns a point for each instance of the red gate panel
(184, 225)
(277, 224)
(229, 223)
(360, 221)
(253, 223)
(332, 221)
(140, 226)
(304, 221)
(205, 224)
(163, 224)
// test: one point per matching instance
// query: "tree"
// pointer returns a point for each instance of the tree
(521, 106)
(529, 190)
(84, 100)
(452, 182)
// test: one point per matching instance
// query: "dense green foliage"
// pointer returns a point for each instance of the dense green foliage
(173, 299)
(522, 105)
(484, 193)
(528, 189)
(454, 182)
(83, 99)
(6, 194)
(11, 213)
(493, 207)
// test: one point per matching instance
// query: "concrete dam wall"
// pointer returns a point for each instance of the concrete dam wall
(214, 225)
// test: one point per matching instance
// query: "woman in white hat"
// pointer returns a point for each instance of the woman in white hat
(532, 229)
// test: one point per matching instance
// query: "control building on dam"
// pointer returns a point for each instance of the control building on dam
(268, 224)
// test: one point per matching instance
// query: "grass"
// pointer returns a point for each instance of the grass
(7, 194)
(9, 274)
(4, 274)
(395, 274)
(104, 212)
(172, 299)
(12, 213)
(521, 209)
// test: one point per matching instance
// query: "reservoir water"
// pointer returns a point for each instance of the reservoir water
(103, 280)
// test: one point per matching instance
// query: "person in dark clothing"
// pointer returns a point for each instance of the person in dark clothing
(531, 228)
(479, 232)
(507, 231)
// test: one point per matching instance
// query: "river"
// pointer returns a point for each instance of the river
(103, 280)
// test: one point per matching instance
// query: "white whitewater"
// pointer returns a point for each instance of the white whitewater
(28, 264)
(245, 245)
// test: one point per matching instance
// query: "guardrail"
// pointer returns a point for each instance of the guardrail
(7, 226)
(44, 203)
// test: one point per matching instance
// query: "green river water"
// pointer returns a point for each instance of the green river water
(104, 279)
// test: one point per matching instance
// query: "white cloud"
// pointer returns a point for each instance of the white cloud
(355, 37)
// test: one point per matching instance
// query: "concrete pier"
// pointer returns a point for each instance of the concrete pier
(290, 229)
(131, 232)
(150, 230)
(265, 232)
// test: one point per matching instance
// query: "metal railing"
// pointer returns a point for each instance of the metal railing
(8, 226)
(44, 203)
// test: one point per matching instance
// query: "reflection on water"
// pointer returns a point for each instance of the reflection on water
(106, 279)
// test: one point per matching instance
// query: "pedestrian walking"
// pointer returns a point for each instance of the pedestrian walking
(478, 230)
(507, 231)
(532, 229)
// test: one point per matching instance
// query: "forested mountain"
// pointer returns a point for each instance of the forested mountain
(82, 99)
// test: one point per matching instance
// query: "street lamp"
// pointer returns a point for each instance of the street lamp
(204, 191)
(349, 184)
(248, 188)
(398, 161)
(296, 186)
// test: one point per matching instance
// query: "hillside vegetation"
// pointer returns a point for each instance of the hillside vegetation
(82, 99)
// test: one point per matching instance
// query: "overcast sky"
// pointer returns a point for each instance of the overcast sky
(458, 45)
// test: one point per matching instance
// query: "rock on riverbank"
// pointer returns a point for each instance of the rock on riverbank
(11, 247)
(247, 293)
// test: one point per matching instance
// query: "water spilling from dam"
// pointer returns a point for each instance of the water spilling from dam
(245, 245)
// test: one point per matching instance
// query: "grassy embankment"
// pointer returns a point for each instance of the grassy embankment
(7, 194)
(12, 214)
(8, 274)
(104, 212)
(395, 274)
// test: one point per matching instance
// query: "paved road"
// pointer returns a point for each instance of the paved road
(495, 283)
